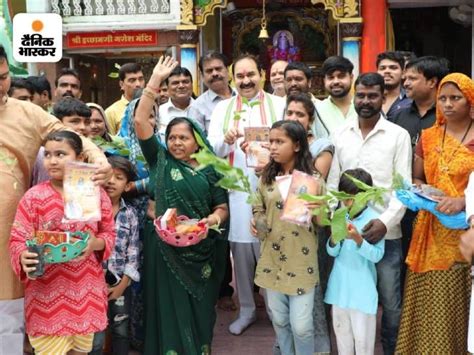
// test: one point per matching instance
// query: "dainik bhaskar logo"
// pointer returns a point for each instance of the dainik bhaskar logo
(37, 37)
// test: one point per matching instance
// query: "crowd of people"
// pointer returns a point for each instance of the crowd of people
(412, 118)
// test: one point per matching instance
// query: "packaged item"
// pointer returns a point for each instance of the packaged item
(81, 195)
(257, 153)
(54, 238)
(428, 192)
(295, 210)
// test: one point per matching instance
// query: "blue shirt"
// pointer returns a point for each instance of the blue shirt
(353, 280)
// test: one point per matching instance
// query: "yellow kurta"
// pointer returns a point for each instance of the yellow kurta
(115, 113)
(23, 128)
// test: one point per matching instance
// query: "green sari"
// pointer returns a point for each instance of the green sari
(181, 285)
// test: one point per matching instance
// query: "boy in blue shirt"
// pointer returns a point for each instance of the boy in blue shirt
(352, 286)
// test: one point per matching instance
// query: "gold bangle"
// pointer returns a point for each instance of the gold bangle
(149, 93)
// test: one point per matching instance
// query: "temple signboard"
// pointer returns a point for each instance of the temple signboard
(109, 39)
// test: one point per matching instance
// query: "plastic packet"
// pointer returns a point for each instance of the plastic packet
(295, 210)
(257, 154)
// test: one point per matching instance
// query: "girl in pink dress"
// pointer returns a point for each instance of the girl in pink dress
(68, 303)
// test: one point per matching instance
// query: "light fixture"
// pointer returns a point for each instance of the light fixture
(263, 26)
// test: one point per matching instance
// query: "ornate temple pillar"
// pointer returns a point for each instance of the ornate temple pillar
(374, 33)
(188, 40)
(351, 32)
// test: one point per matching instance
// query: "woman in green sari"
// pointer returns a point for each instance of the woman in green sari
(181, 285)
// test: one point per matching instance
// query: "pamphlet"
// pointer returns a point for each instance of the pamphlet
(257, 153)
(81, 195)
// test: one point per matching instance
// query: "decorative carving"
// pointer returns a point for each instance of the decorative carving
(77, 7)
(110, 7)
(188, 36)
(340, 8)
(88, 11)
(55, 7)
(121, 10)
(351, 29)
(202, 11)
(187, 12)
(66, 8)
(165, 6)
(154, 7)
(132, 9)
(99, 9)
(141, 7)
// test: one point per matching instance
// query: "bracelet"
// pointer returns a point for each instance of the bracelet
(156, 90)
(149, 93)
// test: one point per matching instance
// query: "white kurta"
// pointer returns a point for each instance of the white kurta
(240, 210)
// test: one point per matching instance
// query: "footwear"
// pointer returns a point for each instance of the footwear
(238, 326)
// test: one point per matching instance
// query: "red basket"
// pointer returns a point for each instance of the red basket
(176, 239)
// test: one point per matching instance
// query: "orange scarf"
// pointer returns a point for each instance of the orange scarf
(434, 247)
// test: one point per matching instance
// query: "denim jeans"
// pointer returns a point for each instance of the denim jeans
(293, 321)
(119, 317)
(388, 274)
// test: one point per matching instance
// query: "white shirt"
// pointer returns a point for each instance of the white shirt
(167, 112)
(240, 210)
(384, 151)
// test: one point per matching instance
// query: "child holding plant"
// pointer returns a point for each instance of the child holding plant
(68, 303)
(352, 286)
(288, 264)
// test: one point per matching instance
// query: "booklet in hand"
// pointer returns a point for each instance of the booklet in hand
(81, 195)
(257, 153)
(295, 210)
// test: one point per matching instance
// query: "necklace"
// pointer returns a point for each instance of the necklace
(443, 161)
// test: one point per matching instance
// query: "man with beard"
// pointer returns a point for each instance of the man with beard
(390, 65)
(252, 107)
(213, 67)
(276, 77)
(338, 107)
(131, 80)
(180, 90)
(381, 148)
(67, 83)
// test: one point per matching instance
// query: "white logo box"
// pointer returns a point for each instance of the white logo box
(37, 38)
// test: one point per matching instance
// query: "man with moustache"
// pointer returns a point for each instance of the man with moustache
(422, 76)
(381, 148)
(338, 108)
(213, 67)
(226, 132)
(67, 83)
(390, 65)
(276, 77)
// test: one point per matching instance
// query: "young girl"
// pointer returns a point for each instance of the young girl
(288, 264)
(67, 305)
(352, 287)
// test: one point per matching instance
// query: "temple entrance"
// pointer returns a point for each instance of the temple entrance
(298, 31)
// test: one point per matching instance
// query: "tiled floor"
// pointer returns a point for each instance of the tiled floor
(257, 339)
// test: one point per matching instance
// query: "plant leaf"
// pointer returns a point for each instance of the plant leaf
(361, 185)
(113, 75)
(339, 225)
(254, 103)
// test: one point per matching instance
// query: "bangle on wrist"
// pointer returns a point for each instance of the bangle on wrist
(147, 92)
(156, 90)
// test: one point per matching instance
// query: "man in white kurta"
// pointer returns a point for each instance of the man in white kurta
(226, 136)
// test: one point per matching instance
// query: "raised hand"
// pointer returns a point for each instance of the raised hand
(162, 70)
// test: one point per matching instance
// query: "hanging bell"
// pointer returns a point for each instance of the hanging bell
(263, 33)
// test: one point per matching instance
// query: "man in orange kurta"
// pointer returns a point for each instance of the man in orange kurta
(23, 128)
